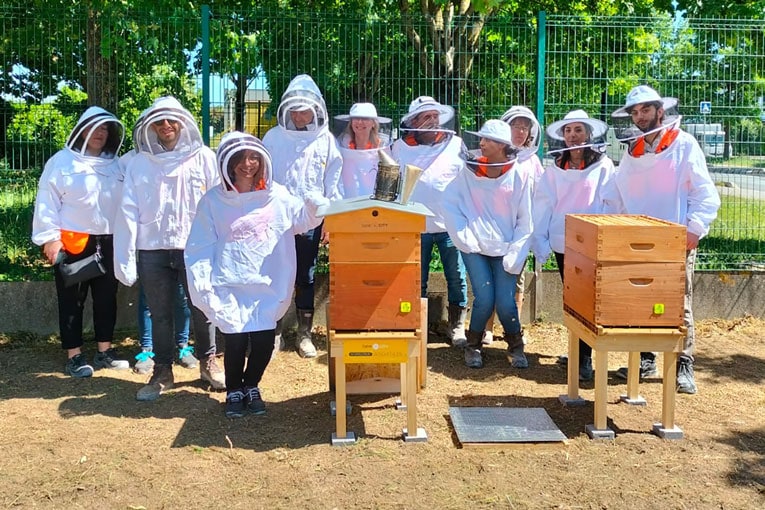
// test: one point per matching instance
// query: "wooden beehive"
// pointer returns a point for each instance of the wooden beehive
(374, 280)
(624, 270)
(374, 267)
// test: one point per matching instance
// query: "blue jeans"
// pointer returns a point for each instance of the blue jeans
(454, 268)
(493, 287)
(182, 318)
(307, 248)
(161, 271)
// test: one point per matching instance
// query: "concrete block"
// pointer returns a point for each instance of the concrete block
(599, 434)
(571, 402)
(671, 434)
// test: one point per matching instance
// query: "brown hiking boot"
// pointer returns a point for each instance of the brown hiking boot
(161, 381)
(210, 372)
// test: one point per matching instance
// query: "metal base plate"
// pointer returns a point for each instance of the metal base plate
(349, 439)
(504, 425)
(420, 437)
(333, 408)
(674, 433)
(639, 401)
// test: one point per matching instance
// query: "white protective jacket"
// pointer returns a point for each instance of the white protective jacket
(441, 163)
(359, 171)
(490, 216)
(240, 255)
(304, 161)
(78, 192)
(673, 185)
(560, 192)
(161, 190)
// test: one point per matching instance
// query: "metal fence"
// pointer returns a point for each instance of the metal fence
(227, 66)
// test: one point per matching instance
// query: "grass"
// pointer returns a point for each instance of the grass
(20, 259)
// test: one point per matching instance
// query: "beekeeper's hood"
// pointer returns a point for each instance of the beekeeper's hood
(534, 134)
(302, 94)
(91, 119)
(136, 133)
(595, 133)
(424, 104)
(169, 108)
(624, 128)
(231, 146)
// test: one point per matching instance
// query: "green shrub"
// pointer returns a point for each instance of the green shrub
(35, 134)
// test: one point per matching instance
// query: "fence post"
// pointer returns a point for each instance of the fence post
(535, 297)
(206, 74)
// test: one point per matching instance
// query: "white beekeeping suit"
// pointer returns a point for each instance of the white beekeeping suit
(80, 192)
(162, 189)
(240, 255)
(307, 159)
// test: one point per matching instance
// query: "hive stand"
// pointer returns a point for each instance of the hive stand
(377, 347)
(633, 340)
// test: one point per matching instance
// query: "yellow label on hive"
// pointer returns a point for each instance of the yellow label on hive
(405, 307)
(658, 309)
(375, 351)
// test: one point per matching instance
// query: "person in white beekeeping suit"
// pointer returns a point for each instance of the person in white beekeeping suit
(144, 363)
(76, 202)
(526, 139)
(572, 184)
(487, 211)
(360, 135)
(664, 174)
(305, 158)
(164, 182)
(240, 260)
(429, 142)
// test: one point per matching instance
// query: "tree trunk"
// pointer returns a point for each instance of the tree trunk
(101, 83)
(454, 39)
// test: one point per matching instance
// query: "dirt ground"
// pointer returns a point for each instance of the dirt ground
(89, 444)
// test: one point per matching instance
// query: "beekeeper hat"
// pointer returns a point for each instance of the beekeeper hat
(643, 94)
(495, 130)
(597, 128)
(426, 104)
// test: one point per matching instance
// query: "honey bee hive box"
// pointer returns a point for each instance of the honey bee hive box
(624, 270)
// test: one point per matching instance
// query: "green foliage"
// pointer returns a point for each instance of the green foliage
(20, 260)
(36, 133)
(163, 80)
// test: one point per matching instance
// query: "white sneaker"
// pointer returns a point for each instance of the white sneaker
(306, 349)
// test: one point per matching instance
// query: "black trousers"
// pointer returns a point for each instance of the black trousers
(261, 345)
(71, 300)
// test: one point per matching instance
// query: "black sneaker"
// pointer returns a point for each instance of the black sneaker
(77, 366)
(109, 359)
(235, 404)
(255, 404)
(686, 382)
(647, 369)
